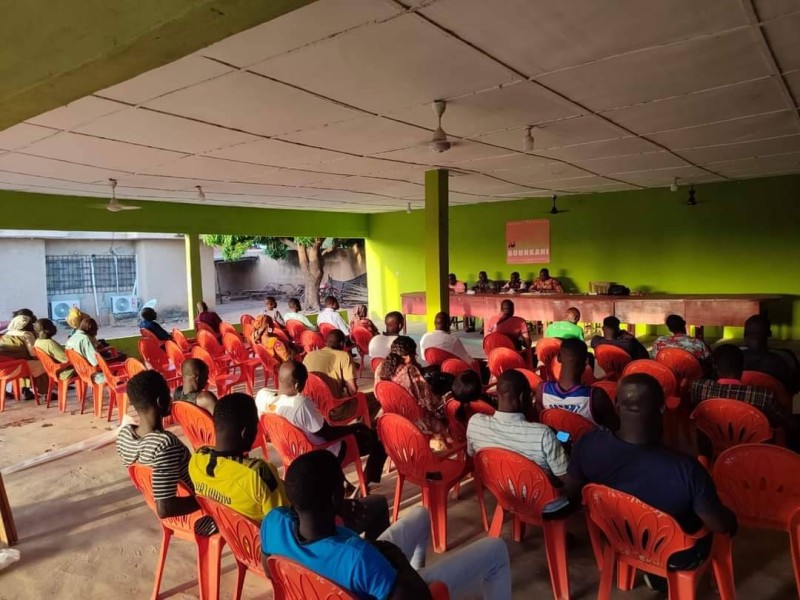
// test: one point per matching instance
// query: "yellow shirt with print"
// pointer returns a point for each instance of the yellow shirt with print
(249, 486)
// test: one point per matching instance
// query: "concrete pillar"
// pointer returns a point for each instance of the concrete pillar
(437, 290)
(194, 279)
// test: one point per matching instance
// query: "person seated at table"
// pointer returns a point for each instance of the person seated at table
(509, 429)
(568, 393)
(149, 444)
(456, 286)
(45, 332)
(17, 343)
(546, 284)
(514, 328)
(334, 365)
(381, 345)
(568, 328)
(515, 284)
(193, 389)
(728, 361)
(291, 404)
(150, 323)
(271, 310)
(207, 317)
(360, 319)
(634, 461)
(678, 338)
(391, 568)
(294, 314)
(401, 366)
(612, 334)
(441, 339)
(484, 285)
(780, 363)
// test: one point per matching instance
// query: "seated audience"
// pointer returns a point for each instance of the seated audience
(568, 328)
(294, 314)
(456, 286)
(780, 363)
(545, 283)
(271, 310)
(149, 444)
(330, 314)
(401, 367)
(568, 393)
(381, 345)
(729, 365)
(300, 411)
(468, 392)
(149, 323)
(45, 331)
(17, 343)
(515, 284)
(207, 317)
(680, 339)
(334, 365)
(512, 327)
(83, 342)
(441, 339)
(264, 333)
(612, 334)
(225, 474)
(75, 316)
(634, 461)
(507, 428)
(360, 319)
(193, 389)
(484, 285)
(393, 567)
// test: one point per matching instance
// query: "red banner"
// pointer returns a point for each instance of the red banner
(528, 242)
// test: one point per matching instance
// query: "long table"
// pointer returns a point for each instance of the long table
(696, 309)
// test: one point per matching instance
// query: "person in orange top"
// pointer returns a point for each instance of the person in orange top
(512, 327)
(545, 283)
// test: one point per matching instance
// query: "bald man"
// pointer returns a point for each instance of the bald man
(193, 389)
(441, 339)
(568, 328)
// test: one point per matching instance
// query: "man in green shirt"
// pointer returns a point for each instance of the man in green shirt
(45, 331)
(568, 328)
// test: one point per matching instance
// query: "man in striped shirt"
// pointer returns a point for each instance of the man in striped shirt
(149, 444)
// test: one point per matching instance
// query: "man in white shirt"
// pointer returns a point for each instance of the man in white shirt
(508, 429)
(441, 339)
(381, 345)
(330, 314)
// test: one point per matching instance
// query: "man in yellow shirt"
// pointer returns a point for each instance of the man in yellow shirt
(250, 486)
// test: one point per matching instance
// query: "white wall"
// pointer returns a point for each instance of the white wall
(22, 274)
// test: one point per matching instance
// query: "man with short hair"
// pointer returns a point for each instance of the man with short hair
(509, 429)
(612, 334)
(780, 363)
(45, 331)
(456, 286)
(225, 474)
(513, 327)
(294, 314)
(546, 284)
(680, 339)
(381, 345)
(393, 567)
(193, 389)
(149, 444)
(207, 317)
(484, 285)
(441, 339)
(568, 328)
(330, 314)
(334, 365)
(515, 284)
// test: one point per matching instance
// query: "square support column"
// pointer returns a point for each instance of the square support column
(437, 289)
(194, 278)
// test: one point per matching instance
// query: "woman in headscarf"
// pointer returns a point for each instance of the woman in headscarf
(272, 338)
(18, 342)
(360, 319)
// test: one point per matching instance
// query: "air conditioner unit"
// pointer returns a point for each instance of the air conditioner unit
(124, 304)
(59, 309)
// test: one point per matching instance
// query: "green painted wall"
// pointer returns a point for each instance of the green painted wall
(742, 237)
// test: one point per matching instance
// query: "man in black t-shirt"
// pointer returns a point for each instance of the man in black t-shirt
(613, 335)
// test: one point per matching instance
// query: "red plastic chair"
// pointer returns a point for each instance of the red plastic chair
(53, 369)
(609, 387)
(291, 442)
(208, 342)
(634, 536)
(411, 453)
(560, 419)
(86, 374)
(683, 364)
(117, 386)
(183, 342)
(148, 335)
(325, 329)
(497, 340)
(504, 359)
(533, 379)
(197, 424)
(322, 396)
(14, 371)
(437, 356)
(245, 319)
(361, 337)
(269, 363)
(176, 355)
(242, 536)
(587, 378)
(311, 340)
(221, 381)
(295, 329)
(396, 399)
(209, 548)
(546, 351)
(458, 429)
(198, 327)
(761, 484)
(235, 348)
(133, 367)
(226, 328)
(728, 423)
(759, 379)
(156, 359)
(375, 364)
(612, 360)
(523, 489)
(662, 373)
(455, 366)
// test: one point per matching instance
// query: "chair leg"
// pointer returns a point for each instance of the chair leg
(626, 575)
(682, 585)
(209, 552)
(481, 502)
(607, 575)
(166, 536)
(398, 493)
(555, 541)
(3, 384)
(794, 541)
(112, 401)
(48, 393)
(722, 564)
(241, 571)
(496, 527)
(517, 529)
(437, 506)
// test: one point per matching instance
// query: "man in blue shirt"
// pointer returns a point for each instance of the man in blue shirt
(393, 567)
(148, 322)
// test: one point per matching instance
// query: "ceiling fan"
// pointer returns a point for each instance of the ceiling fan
(440, 142)
(114, 205)
(555, 210)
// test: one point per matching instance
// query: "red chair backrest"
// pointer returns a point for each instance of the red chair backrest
(198, 327)
(766, 380)
(458, 429)
(295, 329)
(133, 367)
(760, 483)
(728, 423)
(234, 347)
(180, 339)
(110, 377)
(289, 441)
(84, 370)
(246, 319)
(408, 447)
(196, 422)
(242, 535)
(208, 342)
(563, 420)
(662, 373)
(142, 479)
(504, 359)
(519, 484)
(612, 360)
(319, 393)
(325, 329)
(634, 529)
(153, 355)
(497, 340)
(51, 367)
(455, 366)
(533, 379)
(311, 340)
(547, 349)
(609, 387)
(202, 354)
(361, 336)
(293, 581)
(14, 369)
(586, 379)
(394, 398)
(147, 334)
(683, 363)
(269, 361)
(375, 364)
(175, 355)
(437, 356)
(226, 328)
(247, 331)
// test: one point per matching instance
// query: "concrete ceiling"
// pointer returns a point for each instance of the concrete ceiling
(328, 107)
